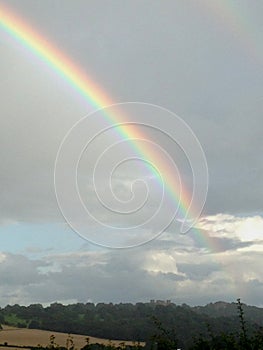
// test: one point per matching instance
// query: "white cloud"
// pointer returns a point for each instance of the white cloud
(246, 229)
(160, 261)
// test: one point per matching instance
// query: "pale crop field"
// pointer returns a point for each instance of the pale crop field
(36, 337)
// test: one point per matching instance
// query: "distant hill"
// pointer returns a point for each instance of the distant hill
(133, 322)
(223, 309)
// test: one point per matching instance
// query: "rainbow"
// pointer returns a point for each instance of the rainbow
(235, 20)
(96, 97)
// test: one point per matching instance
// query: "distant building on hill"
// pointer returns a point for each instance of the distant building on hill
(160, 302)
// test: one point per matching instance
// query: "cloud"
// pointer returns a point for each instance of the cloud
(246, 229)
(172, 267)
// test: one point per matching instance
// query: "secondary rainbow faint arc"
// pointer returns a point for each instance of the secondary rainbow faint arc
(96, 97)
(237, 22)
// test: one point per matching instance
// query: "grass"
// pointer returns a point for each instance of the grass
(14, 320)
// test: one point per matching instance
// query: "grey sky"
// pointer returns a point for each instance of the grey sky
(193, 58)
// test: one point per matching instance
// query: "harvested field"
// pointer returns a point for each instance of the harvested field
(36, 337)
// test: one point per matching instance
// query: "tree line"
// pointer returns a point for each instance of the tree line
(178, 325)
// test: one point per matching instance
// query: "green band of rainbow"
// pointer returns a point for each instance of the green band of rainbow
(95, 96)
